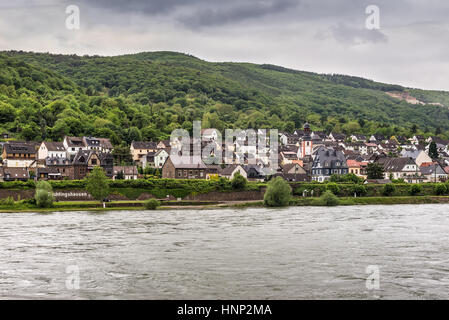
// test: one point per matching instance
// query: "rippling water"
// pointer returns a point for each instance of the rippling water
(293, 253)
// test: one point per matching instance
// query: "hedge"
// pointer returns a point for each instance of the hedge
(368, 190)
(183, 186)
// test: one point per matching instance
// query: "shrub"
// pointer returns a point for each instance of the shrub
(358, 189)
(328, 198)
(388, 189)
(152, 204)
(238, 182)
(44, 194)
(44, 198)
(440, 189)
(278, 193)
(8, 201)
(333, 187)
(415, 189)
(44, 185)
(350, 177)
(97, 184)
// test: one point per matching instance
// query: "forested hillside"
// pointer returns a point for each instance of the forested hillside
(147, 95)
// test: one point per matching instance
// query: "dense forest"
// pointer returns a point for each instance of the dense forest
(145, 96)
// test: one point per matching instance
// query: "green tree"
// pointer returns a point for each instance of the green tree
(7, 112)
(122, 155)
(120, 175)
(134, 134)
(415, 189)
(388, 189)
(333, 187)
(328, 198)
(374, 171)
(97, 184)
(152, 204)
(278, 193)
(44, 194)
(238, 182)
(440, 189)
(433, 151)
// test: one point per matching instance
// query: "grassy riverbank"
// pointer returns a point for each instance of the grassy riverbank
(348, 201)
(20, 206)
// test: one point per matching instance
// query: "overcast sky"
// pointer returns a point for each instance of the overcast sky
(410, 48)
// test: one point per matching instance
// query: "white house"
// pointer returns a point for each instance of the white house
(160, 157)
(210, 134)
(51, 150)
(419, 156)
(230, 170)
(400, 168)
(72, 145)
(129, 172)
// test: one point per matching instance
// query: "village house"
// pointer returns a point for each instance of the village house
(147, 160)
(14, 174)
(401, 168)
(51, 150)
(19, 154)
(58, 168)
(378, 138)
(127, 172)
(419, 156)
(254, 172)
(327, 162)
(231, 170)
(417, 139)
(102, 145)
(72, 145)
(164, 144)
(160, 157)
(370, 148)
(210, 134)
(433, 172)
(357, 167)
(293, 172)
(193, 170)
(141, 148)
(358, 138)
(48, 173)
(84, 162)
(337, 137)
(317, 135)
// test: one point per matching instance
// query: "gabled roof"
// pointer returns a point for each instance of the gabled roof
(144, 145)
(330, 157)
(23, 148)
(82, 157)
(19, 173)
(127, 170)
(74, 141)
(229, 169)
(191, 163)
(105, 143)
(395, 164)
(57, 161)
(54, 146)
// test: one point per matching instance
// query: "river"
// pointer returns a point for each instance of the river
(257, 253)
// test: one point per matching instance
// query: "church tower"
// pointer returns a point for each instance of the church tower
(306, 142)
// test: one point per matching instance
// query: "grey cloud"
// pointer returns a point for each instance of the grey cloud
(350, 35)
(237, 13)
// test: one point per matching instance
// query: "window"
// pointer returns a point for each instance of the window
(179, 173)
